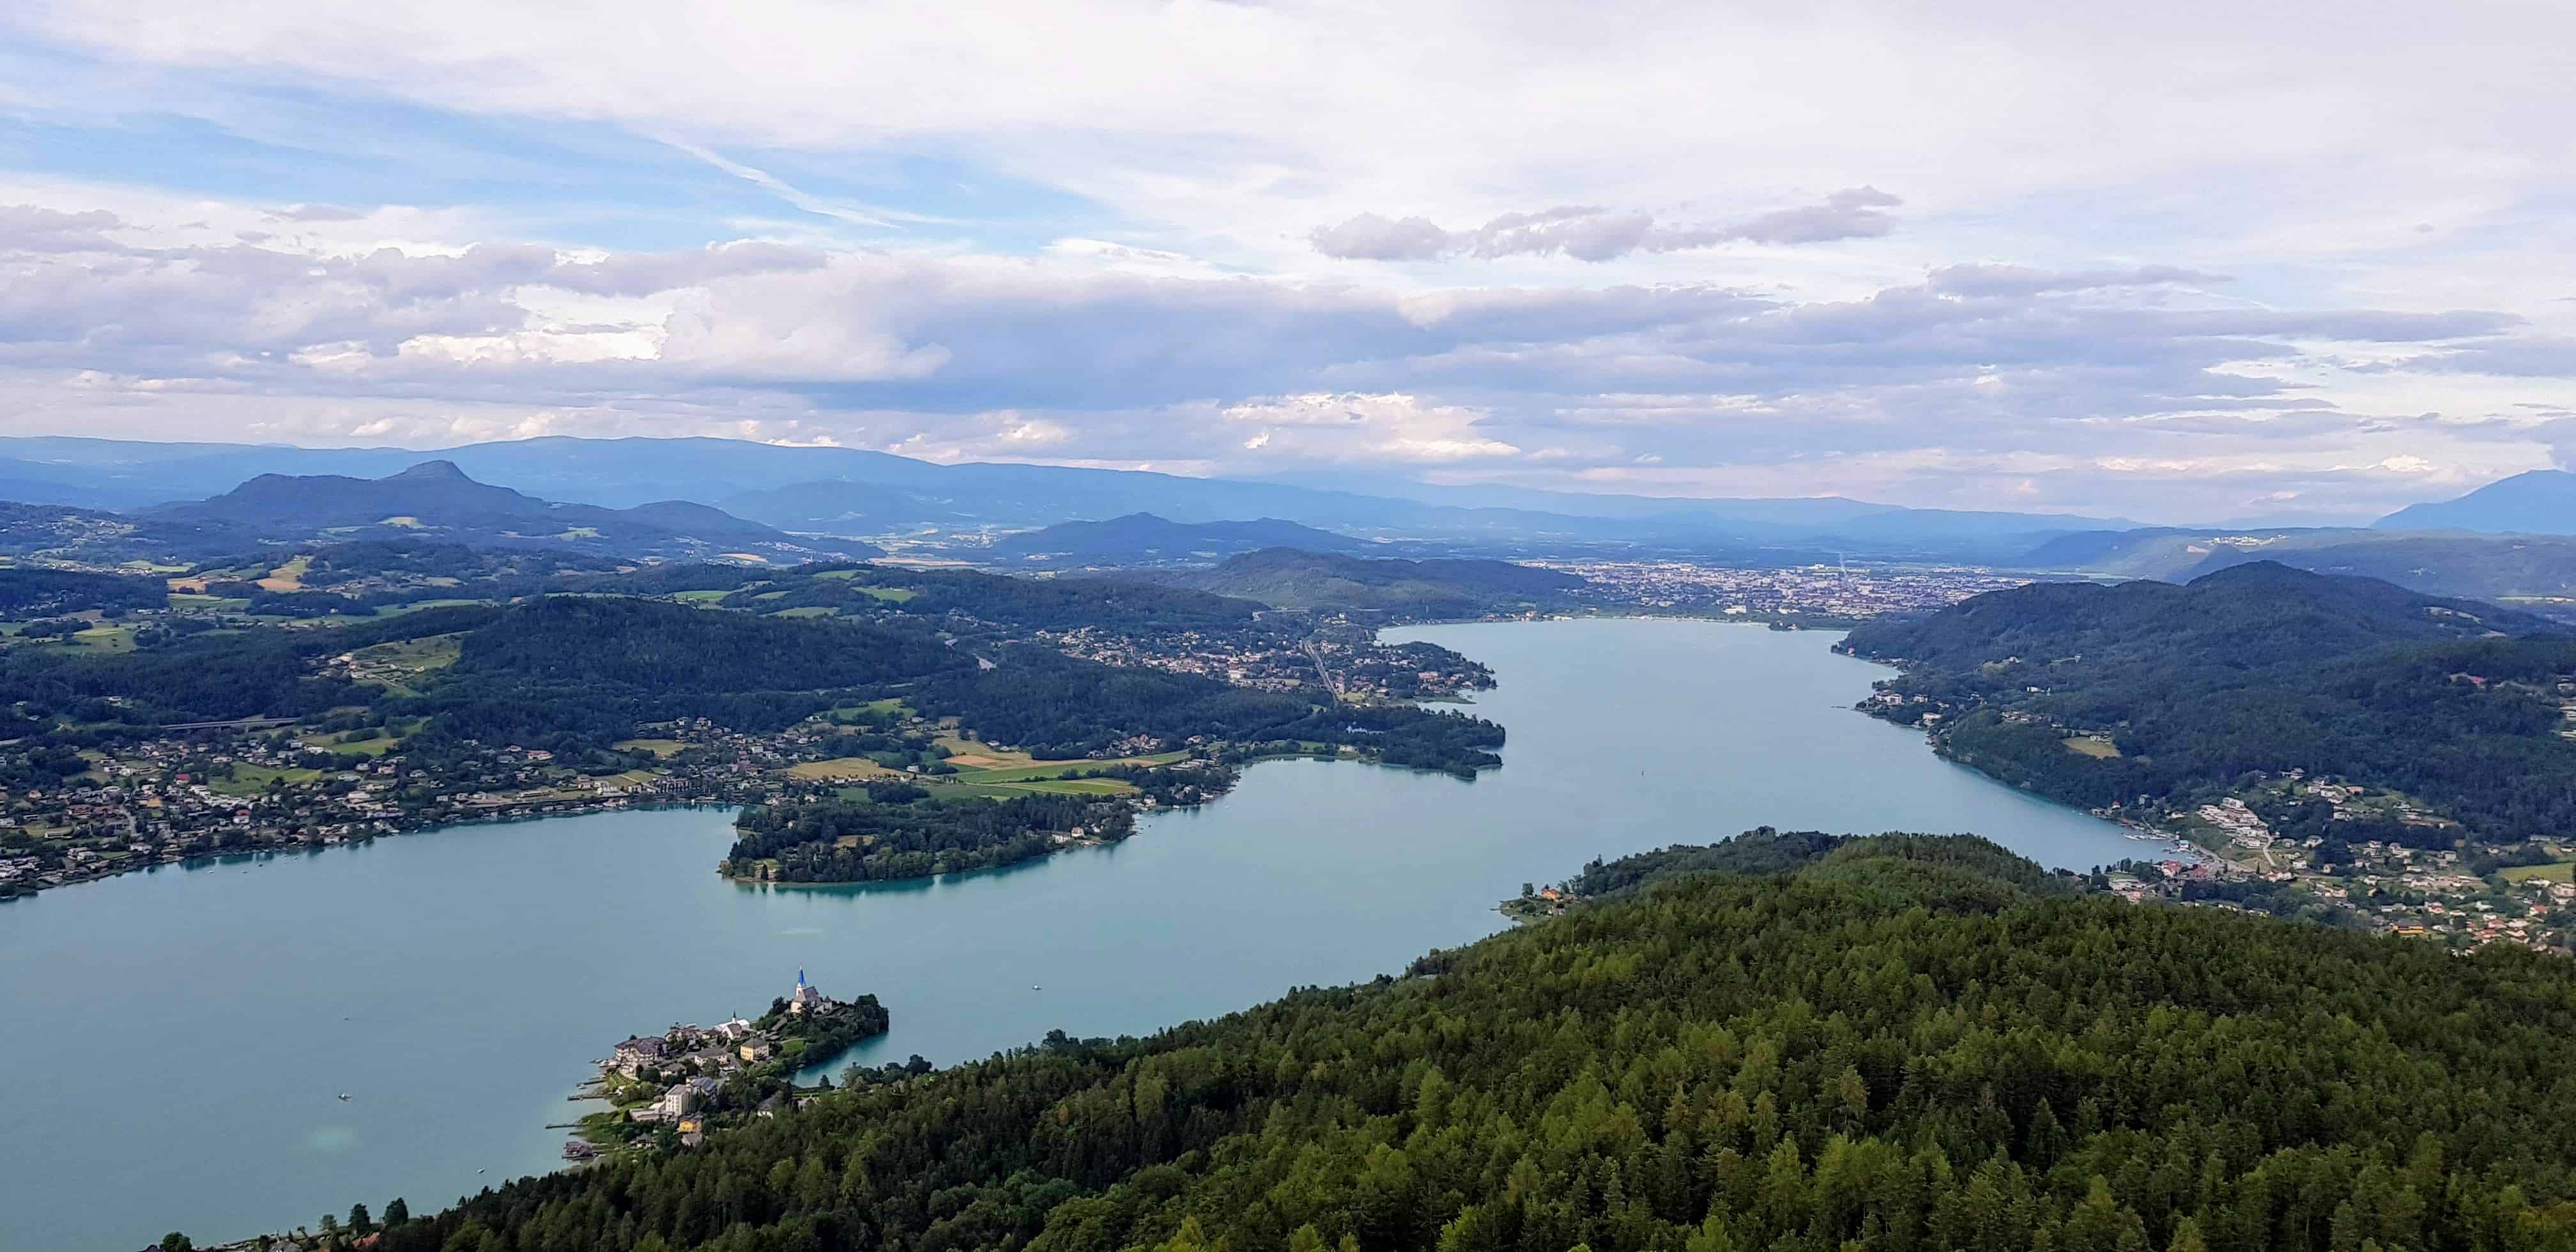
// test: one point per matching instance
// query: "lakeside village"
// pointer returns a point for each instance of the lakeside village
(2331, 850)
(245, 788)
(667, 1091)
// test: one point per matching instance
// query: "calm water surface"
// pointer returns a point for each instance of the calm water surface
(177, 1040)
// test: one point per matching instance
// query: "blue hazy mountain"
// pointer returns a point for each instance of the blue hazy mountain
(2542, 502)
(852, 491)
(431, 501)
(2530, 571)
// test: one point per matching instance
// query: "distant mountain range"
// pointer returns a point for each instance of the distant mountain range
(2542, 502)
(433, 500)
(1142, 539)
(1289, 579)
(846, 491)
(2532, 572)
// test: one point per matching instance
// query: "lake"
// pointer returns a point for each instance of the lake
(178, 1039)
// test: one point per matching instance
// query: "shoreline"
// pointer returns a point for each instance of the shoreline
(263, 854)
(600, 811)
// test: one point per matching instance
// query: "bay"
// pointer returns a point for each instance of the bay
(180, 1038)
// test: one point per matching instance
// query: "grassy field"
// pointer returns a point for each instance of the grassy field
(288, 577)
(1043, 786)
(810, 610)
(2555, 871)
(975, 754)
(2086, 745)
(839, 767)
(398, 665)
(1038, 771)
(251, 780)
(658, 747)
(709, 596)
(106, 638)
(983, 769)
(216, 604)
(872, 713)
(896, 595)
(377, 746)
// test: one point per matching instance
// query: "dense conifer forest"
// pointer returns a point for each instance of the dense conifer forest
(1914, 1043)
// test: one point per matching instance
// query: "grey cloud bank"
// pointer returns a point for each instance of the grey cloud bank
(1983, 383)
(1597, 234)
(2143, 263)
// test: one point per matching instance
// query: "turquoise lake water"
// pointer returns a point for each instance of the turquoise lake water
(178, 1039)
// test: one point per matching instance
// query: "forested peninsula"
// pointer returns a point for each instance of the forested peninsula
(2337, 748)
(1915, 1043)
(875, 722)
(2256, 668)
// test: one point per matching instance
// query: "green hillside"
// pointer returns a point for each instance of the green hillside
(1902, 1044)
(2254, 669)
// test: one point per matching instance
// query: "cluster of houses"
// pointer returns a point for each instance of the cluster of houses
(2525, 916)
(168, 800)
(1808, 590)
(1352, 660)
(690, 1064)
(2242, 825)
(233, 789)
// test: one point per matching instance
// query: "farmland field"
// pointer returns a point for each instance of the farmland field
(839, 767)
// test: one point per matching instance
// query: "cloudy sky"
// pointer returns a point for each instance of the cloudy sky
(2180, 261)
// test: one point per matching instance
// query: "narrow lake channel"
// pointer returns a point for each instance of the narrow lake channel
(179, 1039)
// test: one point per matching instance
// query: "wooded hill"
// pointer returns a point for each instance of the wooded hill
(2256, 668)
(1913, 1043)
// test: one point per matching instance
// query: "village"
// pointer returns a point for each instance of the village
(2457, 896)
(1346, 655)
(667, 1091)
(242, 791)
